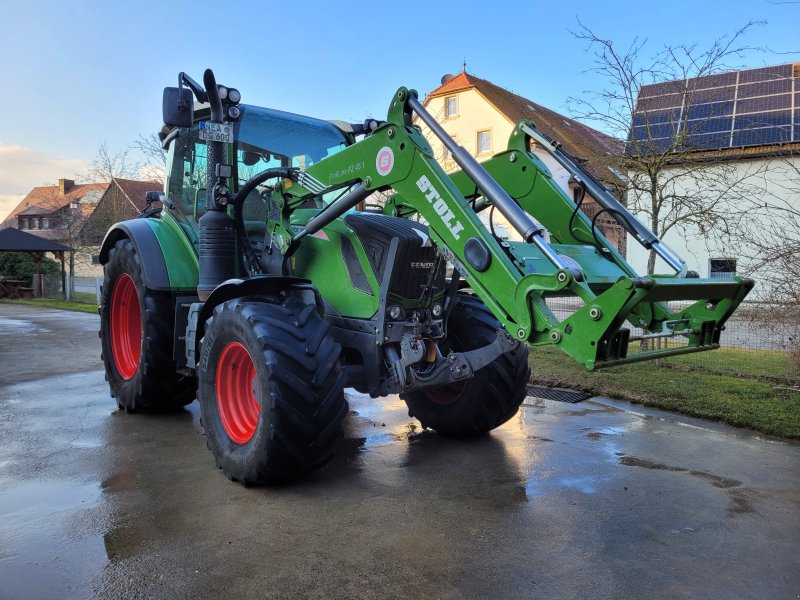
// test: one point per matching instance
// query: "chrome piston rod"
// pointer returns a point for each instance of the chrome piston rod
(529, 228)
(605, 199)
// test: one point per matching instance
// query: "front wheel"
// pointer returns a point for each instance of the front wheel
(270, 389)
(491, 397)
(136, 335)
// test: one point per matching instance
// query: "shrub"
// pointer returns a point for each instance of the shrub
(22, 266)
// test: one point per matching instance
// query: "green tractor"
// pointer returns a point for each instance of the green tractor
(265, 279)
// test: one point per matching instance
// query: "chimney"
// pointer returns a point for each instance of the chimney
(65, 185)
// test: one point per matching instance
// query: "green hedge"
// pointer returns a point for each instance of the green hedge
(22, 266)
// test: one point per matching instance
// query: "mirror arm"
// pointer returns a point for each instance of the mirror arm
(197, 89)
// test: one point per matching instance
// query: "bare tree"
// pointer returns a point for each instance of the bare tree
(768, 244)
(107, 164)
(672, 183)
(62, 220)
(154, 165)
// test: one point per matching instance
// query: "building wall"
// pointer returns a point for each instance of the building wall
(476, 114)
(763, 181)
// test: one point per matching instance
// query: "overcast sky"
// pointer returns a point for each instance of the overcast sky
(81, 73)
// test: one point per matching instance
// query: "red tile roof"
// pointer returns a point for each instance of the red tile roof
(137, 190)
(48, 199)
(579, 140)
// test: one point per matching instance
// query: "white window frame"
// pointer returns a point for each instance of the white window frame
(447, 113)
(722, 273)
(478, 141)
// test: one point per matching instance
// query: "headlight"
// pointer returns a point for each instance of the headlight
(436, 310)
(395, 312)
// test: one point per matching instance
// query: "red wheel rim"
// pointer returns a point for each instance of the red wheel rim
(236, 400)
(447, 394)
(126, 326)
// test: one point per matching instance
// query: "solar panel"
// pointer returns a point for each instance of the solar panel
(737, 109)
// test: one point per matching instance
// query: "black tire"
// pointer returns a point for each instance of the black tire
(136, 334)
(275, 412)
(491, 397)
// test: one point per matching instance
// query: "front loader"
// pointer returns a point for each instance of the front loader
(263, 280)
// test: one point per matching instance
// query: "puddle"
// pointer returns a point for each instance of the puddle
(543, 483)
(716, 480)
(8, 325)
(31, 501)
(740, 503)
(632, 461)
(41, 548)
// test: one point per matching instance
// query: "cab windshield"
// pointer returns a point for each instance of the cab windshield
(301, 141)
(265, 138)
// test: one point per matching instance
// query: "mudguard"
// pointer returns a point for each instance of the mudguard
(154, 239)
(259, 285)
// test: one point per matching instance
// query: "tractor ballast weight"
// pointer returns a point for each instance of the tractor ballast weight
(267, 282)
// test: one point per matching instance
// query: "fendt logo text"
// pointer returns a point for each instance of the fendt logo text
(440, 206)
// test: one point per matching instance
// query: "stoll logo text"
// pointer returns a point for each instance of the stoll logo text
(440, 206)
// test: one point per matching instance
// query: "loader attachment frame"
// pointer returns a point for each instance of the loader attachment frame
(514, 279)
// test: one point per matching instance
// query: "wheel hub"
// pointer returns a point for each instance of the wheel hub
(126, 326)
(236, 398)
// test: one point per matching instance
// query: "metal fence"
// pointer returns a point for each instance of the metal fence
(755, 325)
(78, 288)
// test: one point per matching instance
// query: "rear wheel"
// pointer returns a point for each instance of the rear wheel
(270, 389)
(136, 334)
(491, 397)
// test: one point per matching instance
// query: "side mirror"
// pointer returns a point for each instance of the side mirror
(178, 107)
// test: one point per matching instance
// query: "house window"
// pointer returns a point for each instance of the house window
(450, 107)
(25, 224)
(484, 141)
(35, 223)
(721, 267)
(45, 223)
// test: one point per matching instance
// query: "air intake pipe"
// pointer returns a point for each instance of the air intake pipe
(217, 232)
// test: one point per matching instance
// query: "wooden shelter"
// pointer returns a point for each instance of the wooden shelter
(14, 240)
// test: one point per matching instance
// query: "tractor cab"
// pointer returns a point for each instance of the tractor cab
(263, 138)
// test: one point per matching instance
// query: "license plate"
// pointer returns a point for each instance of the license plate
(216, 132)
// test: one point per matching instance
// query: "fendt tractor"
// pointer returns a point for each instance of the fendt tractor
(265, 279)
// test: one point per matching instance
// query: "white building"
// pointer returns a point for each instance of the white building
(739, 141)
(480, 116)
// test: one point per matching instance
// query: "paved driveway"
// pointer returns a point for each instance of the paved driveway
(594, 500)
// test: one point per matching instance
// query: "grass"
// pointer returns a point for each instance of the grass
(757, 389)
(60, 304)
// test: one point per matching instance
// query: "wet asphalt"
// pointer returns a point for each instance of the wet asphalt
(595, 500)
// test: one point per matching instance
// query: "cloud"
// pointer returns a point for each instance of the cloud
(7, 203)
(23, 168)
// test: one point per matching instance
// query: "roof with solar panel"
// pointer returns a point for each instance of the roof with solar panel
(737, 113)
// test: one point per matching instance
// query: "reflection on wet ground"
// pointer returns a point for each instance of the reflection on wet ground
(584, 500)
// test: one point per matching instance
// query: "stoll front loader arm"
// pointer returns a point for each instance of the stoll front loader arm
(513, 279)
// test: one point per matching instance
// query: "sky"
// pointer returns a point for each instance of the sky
(82, 73)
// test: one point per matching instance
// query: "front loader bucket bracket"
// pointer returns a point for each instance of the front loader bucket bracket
(595, 336)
